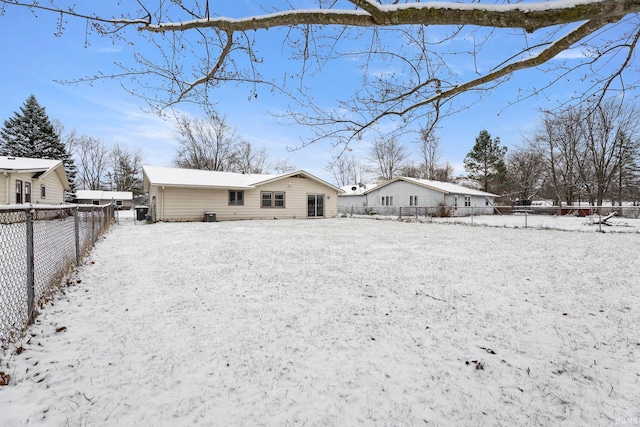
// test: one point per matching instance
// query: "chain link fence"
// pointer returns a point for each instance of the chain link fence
(443, 211)
(38, 248)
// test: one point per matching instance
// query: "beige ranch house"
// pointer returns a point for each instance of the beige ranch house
(32, 181)
(196, 195)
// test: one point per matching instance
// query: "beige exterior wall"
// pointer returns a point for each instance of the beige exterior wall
(54, 189)
(190, 204)
(4, 182)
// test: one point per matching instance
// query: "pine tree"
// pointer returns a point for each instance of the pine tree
(30, 133)
(485, 162)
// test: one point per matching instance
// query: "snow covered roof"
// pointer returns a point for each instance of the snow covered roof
(29, 165)
(356, 189)
(443, 187)
(178, 177)
(25, 164)
(103, 195)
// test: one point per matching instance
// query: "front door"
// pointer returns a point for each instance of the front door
(315, 205)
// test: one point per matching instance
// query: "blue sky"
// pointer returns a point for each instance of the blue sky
(33, 59)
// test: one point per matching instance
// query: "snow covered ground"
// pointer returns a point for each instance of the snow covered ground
(338, 322)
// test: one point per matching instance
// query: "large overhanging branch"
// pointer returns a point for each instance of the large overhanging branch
(528, 16)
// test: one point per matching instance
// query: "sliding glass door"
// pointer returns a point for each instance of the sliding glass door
(315, 205)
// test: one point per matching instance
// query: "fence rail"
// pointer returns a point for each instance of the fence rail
(38, 247)
(454, 211)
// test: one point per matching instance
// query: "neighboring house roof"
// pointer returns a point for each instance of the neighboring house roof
(176, 177)
(356, 189)
(442, 187)
(39, 167)
(103, 195)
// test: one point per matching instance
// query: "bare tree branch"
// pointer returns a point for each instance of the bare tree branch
(199, 49)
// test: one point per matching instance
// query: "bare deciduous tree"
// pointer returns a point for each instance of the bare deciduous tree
(589, 151)
(557, 140)
(212, 144)
(389, 156)
(199, 49)
(92, 161)
(609, 129)
(281, 166)
(525, 173)
(346, 169)
(249, 159)
(430, 151)
(207, 144)
(443, 172)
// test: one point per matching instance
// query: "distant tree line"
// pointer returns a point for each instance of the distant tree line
(588, 154)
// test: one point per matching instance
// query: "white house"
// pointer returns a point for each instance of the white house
(195, 195)
(411, 195)
(27, 180)
(352, 199)
(120, 199)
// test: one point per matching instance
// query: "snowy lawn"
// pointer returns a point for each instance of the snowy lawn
(337, 322)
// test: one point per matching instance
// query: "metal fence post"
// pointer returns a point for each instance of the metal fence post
(93, 226)
(76, 230)
(30, 266)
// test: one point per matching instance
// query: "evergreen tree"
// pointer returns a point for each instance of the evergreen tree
(30, 133)
(485, 163)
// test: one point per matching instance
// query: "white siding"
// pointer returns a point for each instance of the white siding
(190, 204)
(355, 203)
(478, 205)
(402, 190)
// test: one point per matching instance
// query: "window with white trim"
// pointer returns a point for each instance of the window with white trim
(387, 201)
(467, 201)
(18, 191)
(272, 199)
(413, 200)
(27, 192)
